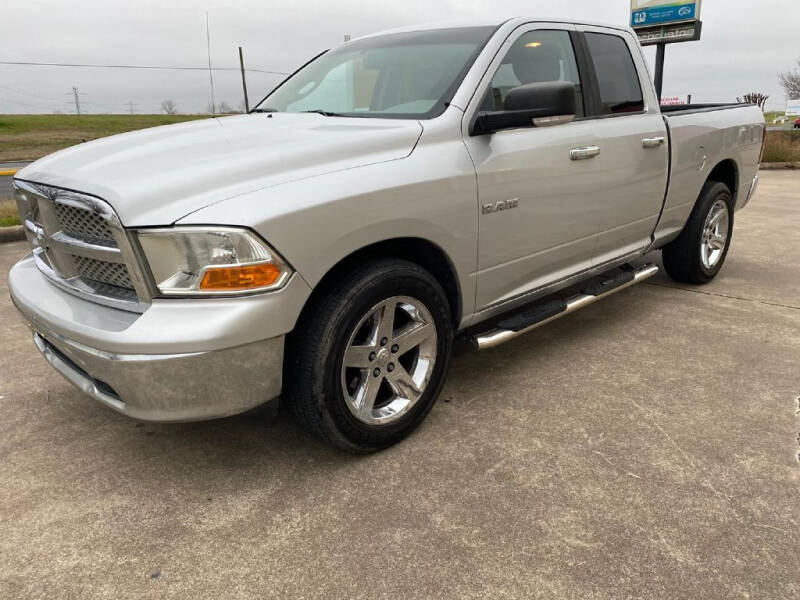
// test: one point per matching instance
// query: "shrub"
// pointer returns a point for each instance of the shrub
(782, 146)
(8, 213)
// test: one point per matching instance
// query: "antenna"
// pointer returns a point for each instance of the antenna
(210, 72)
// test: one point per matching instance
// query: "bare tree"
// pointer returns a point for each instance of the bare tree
(169, 107)
(224, 108)
(754, 98)
(790, 80)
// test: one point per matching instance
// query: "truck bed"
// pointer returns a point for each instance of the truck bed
(688, 109)
(705, 137)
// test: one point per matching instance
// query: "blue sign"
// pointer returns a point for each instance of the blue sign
(685, 11)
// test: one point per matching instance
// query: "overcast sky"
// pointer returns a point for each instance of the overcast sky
(744, 45)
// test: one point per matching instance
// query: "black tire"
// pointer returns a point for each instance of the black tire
(315, 353)
(682, 258)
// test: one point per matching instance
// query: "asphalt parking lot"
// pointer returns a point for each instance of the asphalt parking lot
(6, 190)
(645, 447)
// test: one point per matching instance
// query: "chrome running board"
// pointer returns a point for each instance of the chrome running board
(542, 314)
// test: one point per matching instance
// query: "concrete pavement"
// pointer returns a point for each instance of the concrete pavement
(645, 447)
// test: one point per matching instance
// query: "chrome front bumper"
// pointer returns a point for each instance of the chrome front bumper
(176, 387)
(177, 361)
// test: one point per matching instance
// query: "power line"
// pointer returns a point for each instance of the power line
(22, 103)
(158, 67)
(10, 89)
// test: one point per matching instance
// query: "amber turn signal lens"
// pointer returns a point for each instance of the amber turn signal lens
(242, 277)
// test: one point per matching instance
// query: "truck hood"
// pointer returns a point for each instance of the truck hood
(156, 176)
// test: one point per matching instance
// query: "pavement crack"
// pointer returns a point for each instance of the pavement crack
(657, 426)
(605, 458)
(611, 464)
(717, 294)
(771, 527)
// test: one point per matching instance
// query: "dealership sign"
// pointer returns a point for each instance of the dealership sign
(793, 108)
(666, 21)
(648, 13)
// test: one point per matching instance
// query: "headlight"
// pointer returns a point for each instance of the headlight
(211, 261)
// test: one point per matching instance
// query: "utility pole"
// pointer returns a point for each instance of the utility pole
(77, 100)
(131, 106)
(210, 73)
(244, 82)
(659, 79)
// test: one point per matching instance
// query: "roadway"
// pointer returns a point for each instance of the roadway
(5, 180)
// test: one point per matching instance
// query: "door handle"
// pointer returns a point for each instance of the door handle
(653, 142)
(584, 152)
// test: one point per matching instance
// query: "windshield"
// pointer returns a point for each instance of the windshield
(404, 75)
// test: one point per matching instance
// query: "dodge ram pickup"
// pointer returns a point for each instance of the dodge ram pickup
(396, 191)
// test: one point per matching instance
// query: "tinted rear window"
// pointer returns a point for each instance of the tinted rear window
(620, 91)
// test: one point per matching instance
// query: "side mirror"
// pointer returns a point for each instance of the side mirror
(531, 105)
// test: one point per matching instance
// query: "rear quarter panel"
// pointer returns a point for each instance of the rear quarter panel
(699, 142)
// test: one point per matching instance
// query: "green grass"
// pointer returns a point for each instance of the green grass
(782, 146)
(8, 213)
(28, 137)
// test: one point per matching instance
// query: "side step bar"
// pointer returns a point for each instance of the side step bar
(550, 311)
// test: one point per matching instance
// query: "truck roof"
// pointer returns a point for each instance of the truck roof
(511, 23)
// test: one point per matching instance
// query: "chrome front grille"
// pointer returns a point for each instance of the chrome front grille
(83, 224)
(80, 245)
(115, 274)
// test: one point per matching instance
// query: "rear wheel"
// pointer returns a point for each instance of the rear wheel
(369, 359)
(697, 255)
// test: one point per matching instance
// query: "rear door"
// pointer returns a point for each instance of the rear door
(630, 131)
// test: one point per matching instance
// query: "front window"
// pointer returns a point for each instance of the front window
(540, 56)
(405, 75)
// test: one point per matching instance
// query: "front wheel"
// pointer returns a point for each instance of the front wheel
(697, 255)
(369, 359)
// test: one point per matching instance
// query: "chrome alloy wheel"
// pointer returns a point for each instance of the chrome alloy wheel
(715, 234)
(389, 360)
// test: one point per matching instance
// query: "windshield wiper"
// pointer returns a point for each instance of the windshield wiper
(264, 110)
(325, 113)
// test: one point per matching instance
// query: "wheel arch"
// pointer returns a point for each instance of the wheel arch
(727, 172)
(420, 251)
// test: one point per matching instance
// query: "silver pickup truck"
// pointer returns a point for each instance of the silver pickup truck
(325, 248)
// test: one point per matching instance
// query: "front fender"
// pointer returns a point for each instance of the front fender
(316, 222)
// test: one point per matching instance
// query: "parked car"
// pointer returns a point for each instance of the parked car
(394, 192)
(797, 123)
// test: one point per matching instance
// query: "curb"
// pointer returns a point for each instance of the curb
(12, 234)
(779, 166)
(8, 173)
